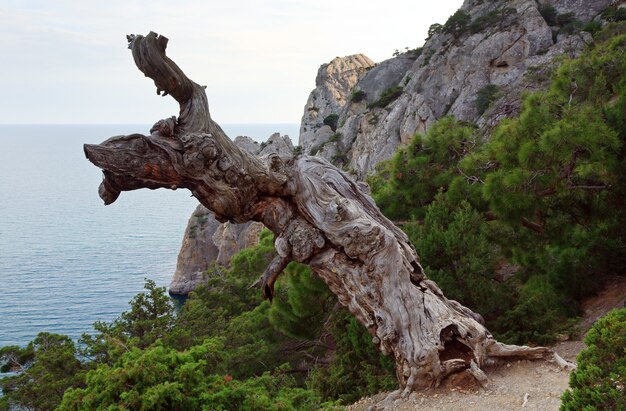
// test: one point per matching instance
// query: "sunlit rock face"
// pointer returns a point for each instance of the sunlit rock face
(507, 44)
(334, 83)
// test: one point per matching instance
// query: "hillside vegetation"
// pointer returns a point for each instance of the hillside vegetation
(541, 197)
(519, 225)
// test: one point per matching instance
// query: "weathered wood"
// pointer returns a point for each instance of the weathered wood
(319, 216)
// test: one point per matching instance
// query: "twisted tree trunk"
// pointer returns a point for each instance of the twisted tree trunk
(319, 216)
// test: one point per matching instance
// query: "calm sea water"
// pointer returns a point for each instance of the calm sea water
(66, 260)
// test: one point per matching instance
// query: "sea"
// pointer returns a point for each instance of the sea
(66, 260)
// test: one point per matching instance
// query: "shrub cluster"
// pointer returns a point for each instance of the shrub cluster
(356, 96)
(387, 97)
(224, 349)
(457, 23)
(613, 14)
(542, 195)
(566, 22)
(485, 96)
(334, 138)
(331, 121)
(492, 19)
(599, 382)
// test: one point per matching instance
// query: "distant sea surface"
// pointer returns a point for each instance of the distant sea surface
(66, 260)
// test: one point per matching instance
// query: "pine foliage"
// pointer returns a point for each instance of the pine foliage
(544, 195)
(599, 382)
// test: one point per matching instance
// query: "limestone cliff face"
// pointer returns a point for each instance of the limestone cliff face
(333, 83)
(506, 45)
(207, 242)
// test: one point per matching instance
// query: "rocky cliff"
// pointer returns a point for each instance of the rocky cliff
(474, 67)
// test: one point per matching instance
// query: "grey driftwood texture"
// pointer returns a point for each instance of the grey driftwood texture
(319, 216)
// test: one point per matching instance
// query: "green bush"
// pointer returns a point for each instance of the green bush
(409, 181)
(161, 378)
(331, 121)
(610, 31)
(340, 160)
(457, 24)
(45, 369)
(415, 53)
(427, 56)
(592, 27)
(599, 382)
(566, 21)
(566, 18)
(356, 96)
(614, 14)
(549, 14)
(459, 252)
(315, 149)
(357, 368)
(493, 19)
(485, 96)
(434, 29)
(301, 304)
(572, 27)
(538, 314)
(334, 138)
(386, 97)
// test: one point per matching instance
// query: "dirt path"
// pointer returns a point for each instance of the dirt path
(521, 385)
(515, 386)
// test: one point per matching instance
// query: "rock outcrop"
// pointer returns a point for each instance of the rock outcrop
(207, 242)
(334, 83)
(360, 112)
(503, 48)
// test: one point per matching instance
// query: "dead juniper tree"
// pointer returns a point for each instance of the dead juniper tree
(319, 216)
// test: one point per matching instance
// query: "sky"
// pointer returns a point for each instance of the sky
(67, 62)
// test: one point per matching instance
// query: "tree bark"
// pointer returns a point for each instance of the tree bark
(319, 216)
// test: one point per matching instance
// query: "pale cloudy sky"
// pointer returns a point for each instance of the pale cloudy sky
(66, 61)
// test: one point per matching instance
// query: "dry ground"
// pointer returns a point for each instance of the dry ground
(519, 385)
